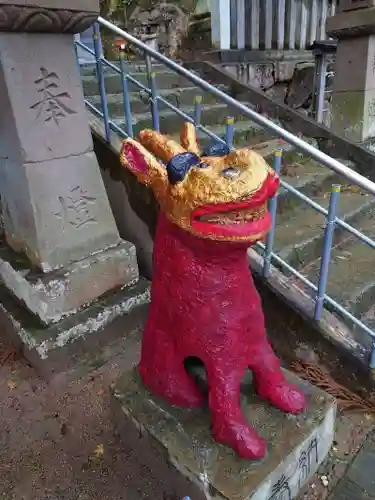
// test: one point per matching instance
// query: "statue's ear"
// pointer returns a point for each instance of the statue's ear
(143, 164)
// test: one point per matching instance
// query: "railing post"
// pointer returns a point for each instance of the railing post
(273, 211)
(197, 110)
(327, 247)
(126, 96)
(372, 357)
(229, 132)
(154, 93)
(319, 86)
(100, 76)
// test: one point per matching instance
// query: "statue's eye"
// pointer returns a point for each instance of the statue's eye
(231, 172)
(203, 164)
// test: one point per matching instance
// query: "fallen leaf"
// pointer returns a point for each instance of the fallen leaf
(99, 451)
(12, 384)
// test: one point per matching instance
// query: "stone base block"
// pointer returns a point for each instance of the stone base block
(60, 347)
(177, 446)
(353, 114)
(53, 218)
(54, 295)
(357, 72)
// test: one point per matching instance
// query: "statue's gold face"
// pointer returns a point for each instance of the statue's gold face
(216, 197)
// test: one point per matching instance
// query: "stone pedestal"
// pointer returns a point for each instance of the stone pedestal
(353, 93)
(63, 250)
(177, 445)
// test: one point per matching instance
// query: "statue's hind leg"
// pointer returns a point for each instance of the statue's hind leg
(163, 371)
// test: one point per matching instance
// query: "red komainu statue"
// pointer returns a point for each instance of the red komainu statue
(203, 301)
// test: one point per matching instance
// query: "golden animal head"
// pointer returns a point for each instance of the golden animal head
(220, 195)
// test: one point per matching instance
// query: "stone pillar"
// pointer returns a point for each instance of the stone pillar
(220, 24)
(62, 250)
(353, 93)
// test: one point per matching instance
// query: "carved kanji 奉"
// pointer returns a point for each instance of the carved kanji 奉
(203, 301)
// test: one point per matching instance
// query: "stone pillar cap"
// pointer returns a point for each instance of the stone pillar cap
(354, 23)
(48, 16)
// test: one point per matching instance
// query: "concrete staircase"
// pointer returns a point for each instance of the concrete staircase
(299, 235)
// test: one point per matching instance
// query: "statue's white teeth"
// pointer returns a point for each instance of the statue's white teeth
(237, 217)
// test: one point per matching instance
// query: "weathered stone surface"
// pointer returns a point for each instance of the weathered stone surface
(355, 64)
(43, 113)
(177, 443)
(68, 16)
(257, 75)
(56, 211)
(354, 23)
(359, 481)
(300, 87)
(353, 114)
(361, 471)
(346, 490)
(60, 346)
(54, 295)
(353, 97)
(354, 4)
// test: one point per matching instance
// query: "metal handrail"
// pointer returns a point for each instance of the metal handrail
(300, 144)
(332, 220)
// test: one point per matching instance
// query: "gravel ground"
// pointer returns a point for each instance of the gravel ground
(58, 441)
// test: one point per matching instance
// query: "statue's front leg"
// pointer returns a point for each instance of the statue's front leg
(229, 426)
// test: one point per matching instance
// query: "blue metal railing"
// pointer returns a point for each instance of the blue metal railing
(332, 221)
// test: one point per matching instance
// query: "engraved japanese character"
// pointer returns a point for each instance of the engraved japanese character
(52, 104)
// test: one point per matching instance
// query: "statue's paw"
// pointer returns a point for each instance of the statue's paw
(177, 388)
(284, 396)
(241, 437)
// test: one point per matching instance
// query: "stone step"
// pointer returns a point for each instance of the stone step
(170, 121)
(300, 230)
(246, 134)
(130, 67)
(177, 445)
(113, 82)
(60, 346)
(351, 278)
(140, 103)
(307, 176)
(369, 320)
(55, 295)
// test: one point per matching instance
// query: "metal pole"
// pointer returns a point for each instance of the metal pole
(372, 356)
(320, 87)
(273, 211)
(327, 247)
(126, 96)
(306, 148)
(154, 93)
(101, 81)
(229, 133)
(197, 110)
